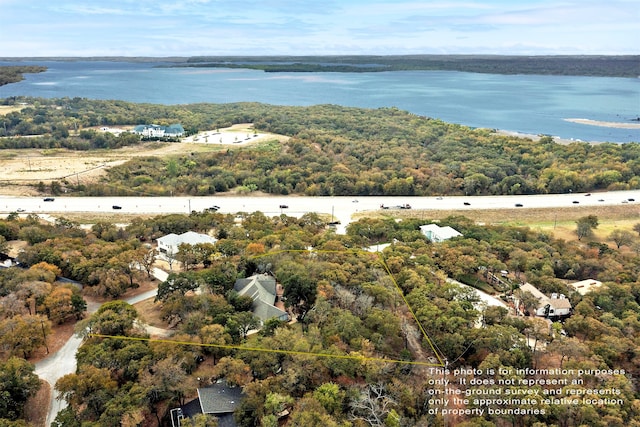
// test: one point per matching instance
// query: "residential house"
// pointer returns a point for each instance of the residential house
(266, 295)
(555, 306)
(219, 400)
(157, 131)
(436, 234)
(583, 287)
(168, 245)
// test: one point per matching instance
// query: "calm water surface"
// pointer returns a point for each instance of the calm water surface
(522, 103)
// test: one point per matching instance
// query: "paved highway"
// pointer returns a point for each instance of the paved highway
(340, 208)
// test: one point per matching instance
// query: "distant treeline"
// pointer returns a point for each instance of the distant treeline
(600, 65)
(13, 74)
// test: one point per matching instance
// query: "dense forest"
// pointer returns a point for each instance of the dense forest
(349, 303)
(13, 74)
(332, 150)
(588, 65)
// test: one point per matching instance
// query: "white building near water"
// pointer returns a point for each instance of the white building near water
(157, 131)
(169, 244)
(436, 234)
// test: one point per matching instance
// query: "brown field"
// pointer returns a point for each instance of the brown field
(23, 168)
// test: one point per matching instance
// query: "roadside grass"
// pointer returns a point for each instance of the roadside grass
(95, 217)
(559, 222)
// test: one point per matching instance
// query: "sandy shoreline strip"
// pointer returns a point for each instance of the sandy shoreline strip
(533, 137)
(617, 125)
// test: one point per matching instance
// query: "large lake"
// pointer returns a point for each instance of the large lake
(523, 103)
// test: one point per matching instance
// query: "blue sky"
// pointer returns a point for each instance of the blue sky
(299, 27)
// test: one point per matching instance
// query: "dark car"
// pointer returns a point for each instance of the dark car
(575, 202)
(48, 199)
(467, 204)
(116, 207)
(284, 206)
(631, 200)
(518, 205)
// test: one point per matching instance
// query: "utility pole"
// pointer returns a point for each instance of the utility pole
(44, 336)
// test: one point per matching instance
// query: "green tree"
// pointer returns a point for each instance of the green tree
(18, 382)
(178, 283)
(330, 397)
(112, 318)
(586, 225)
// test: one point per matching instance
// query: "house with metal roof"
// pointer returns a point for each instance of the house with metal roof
(437, 234)
(266, 295)
(557, 305)
(583, 287)
(169, 244)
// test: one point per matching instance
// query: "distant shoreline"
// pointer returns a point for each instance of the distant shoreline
(625, 66)
(533, 137)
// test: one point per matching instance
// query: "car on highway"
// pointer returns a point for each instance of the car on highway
(631, 200)
(575, 202)
(20, 210)
(284, 206)
(48, 199)
(518, 205)
(467, 204)
(116, 207)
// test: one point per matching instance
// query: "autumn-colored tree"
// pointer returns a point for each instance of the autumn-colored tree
(22, 335)
(621, 237)
(59, 304)
(213, 336)
(235, 371)
(88, 391)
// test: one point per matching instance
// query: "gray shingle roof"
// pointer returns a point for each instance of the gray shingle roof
(219, 398)
(262, 289)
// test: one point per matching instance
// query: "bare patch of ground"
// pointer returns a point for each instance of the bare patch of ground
(6, 109)
(37, 406)
(149, 311)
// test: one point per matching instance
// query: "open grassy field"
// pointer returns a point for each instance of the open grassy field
(25, 167)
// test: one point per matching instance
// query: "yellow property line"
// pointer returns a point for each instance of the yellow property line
(268, 350)
(304, 353)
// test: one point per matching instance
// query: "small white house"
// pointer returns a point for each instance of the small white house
(555, 306)
(583, 287)
(436, 234)
(169, 244)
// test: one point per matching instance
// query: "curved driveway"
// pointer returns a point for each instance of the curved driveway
(63, 361)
